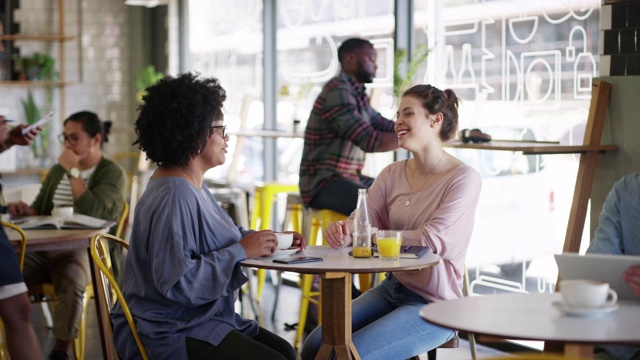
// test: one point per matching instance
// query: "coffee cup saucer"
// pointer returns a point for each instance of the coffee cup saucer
(582, 311)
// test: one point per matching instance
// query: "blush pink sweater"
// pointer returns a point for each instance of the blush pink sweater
(440, 216)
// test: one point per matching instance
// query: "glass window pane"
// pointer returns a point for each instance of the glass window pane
(225, 41)
(308, 35)
(523, 71)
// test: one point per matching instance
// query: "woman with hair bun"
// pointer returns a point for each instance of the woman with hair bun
(93, 185)
(432, 198)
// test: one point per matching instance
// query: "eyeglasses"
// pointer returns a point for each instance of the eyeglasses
(223, 127)
(72, 139)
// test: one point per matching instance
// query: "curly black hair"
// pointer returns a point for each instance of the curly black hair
(174, 122)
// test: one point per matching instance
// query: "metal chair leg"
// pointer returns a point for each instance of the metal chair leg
(275, 299)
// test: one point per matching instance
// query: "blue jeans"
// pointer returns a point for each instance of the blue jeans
(386, 325)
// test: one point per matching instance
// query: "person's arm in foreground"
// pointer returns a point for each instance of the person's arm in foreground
(16, 137)
(21, 339)
(608, 238)
(632, 277)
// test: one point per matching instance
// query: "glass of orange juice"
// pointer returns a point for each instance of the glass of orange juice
(389, 242)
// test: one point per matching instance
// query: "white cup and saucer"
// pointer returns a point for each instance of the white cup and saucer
(285, 240)
(62, 213)
(583, 297)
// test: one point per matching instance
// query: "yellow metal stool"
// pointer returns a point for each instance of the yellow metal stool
(320, 219)
(262, 212)
(323, 218)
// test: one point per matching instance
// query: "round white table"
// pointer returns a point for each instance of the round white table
(533, 317)
(335, 275)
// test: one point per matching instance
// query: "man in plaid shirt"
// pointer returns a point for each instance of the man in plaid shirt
(343, 127)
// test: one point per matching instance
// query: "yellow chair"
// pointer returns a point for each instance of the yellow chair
(4, 352)
(320, 219)
(110, 288)
(79, 343)
(23, 244)
(262, 212)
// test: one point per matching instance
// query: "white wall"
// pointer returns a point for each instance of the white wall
(97, 64)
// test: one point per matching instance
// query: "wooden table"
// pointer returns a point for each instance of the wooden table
(335, 275)
(533, 317)
(46, 240)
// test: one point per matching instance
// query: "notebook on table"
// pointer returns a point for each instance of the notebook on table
(602, 267)
(76, 221)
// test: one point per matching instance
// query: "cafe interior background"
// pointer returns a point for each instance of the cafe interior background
(523, 69)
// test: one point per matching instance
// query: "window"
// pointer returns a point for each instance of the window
(523, 70)
(225, 41)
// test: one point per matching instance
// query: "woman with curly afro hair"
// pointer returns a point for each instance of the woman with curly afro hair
(181, 276)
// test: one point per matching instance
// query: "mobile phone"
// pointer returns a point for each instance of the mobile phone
(42, 121)
(297, 260)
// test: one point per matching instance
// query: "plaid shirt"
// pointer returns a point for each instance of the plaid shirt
(342, 127)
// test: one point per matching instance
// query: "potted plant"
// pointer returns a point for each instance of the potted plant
(36, 67)
(33, 113)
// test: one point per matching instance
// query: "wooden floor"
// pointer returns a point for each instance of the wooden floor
(286, 312)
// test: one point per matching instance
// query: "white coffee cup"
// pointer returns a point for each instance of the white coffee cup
(285, 240)
(63, 212)
(583, 293)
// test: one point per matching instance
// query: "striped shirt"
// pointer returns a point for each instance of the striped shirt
(342, 127)
(63, 195)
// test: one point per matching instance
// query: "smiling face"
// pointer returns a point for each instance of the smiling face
(215, 151)
(415, 127)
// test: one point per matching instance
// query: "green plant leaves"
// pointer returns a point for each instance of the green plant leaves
(146, 77)
(400, 82)
(33, 113)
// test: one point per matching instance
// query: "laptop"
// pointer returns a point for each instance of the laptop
(607, 268)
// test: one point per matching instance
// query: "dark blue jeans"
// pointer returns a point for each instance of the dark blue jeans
(387, 325)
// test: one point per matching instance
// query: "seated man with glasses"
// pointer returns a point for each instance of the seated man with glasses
(94, 186)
